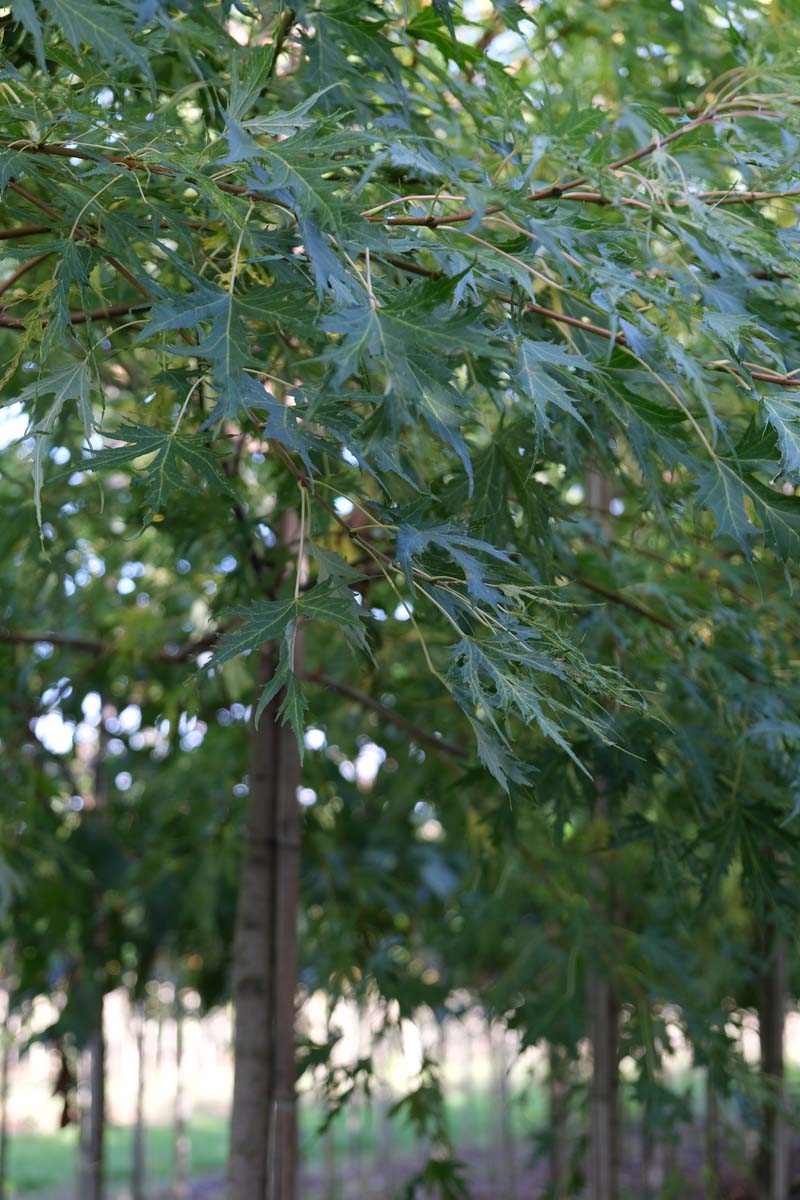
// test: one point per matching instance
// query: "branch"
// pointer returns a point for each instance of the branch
(23, 270)
(756, 372)
(80, 317)
(103, 649)
(131, 162)
(22, 231)
(388, 714)
(36, 201)
(626, 602)
(561, 190)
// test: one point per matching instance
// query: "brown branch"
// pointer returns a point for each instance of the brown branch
(103, 649)
(626, 602)
(388, 714)
(32, 199)
(715, 197)
(760, 373)
(561, 190)
(555, 190)
(23, 270)
(130, 163)
(80, 317)
(22, 231)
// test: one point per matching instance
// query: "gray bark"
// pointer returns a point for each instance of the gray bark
(180, 1181)
(138, 1151)
(602, 1007)
(91, 1184)
(773, 1159)
(263, 1147)
(557, 1121)
(712, 1139)
(5, 1062)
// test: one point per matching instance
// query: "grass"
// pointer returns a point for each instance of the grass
(42, 1162)
(39, 1161)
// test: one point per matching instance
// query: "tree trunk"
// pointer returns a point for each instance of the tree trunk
(557, 1121)
(251, 963)
(138, 1154)
(648, 1158)
(601, 1003)
(5, 1062)
(282, 1141)
(504, 1131)
(180, 1180)
(93, 1119)
(712, 1138)
(773, 1159)
(603, 1173)
(263, 1147)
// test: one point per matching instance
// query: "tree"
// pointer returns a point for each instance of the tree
(359, 297)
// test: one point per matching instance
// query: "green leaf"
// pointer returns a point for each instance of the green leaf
(783, 413)
(444, 9)
(727, 493)
(268, 620)
(99, 26)
(73, 382)
(25, 12)
(175, 459)
(535, 378)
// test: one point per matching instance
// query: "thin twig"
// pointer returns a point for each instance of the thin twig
(23, 270)
(388, 714)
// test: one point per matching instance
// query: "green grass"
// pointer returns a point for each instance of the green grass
(39, 1161)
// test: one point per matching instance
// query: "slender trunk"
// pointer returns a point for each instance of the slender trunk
(263, 1147)
(5, 1062)
(138, 1154)
(712, 1140)
(504, 1130)
(604, 1093)
(557, 1121)
(284, 963)
(773, 1166)
(251, 963)
(330, 1187)
(84, 1102)
(648, 1158)
(180, 1180)
(93, 1119)
(602, 1006)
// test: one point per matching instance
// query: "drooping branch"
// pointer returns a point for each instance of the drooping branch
(105, 649)
(568, 190)
(23, 270)
(420, 735)
(80, 317)
(190, 650)
(557, 191)
(23, 231)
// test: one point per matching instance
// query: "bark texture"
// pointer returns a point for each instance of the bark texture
(602, 1175)
(713, 1142)
(604, 1133)
(138, 1152)
(91, 1184)
(180, 1188)
(251, 963)
(263, 1148)
(5, 1062)
(557, 1122)
(773, 1159)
